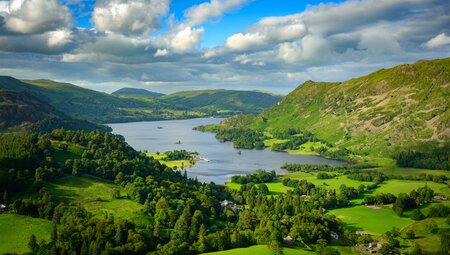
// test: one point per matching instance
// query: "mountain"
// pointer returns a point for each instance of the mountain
(94, 106)
(137, 93)
(402, 107)
(21, 110)
(223, 101)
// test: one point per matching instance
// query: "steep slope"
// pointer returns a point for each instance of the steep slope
(136, 93)
(223, 101)
(21, 110)
(400, 107)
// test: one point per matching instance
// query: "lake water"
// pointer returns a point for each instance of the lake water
(224, 160)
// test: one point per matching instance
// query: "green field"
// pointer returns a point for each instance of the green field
(259, 250)
(96, 196)
(169, 163)
(17, 229)
(334, 183)
(374, 221)
(405, 186)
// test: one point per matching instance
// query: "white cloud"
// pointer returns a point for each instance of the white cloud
(134, 17)
(59, 38)
(245, 41)
(34, 16)
(161, 53)
(438, 41)
(187, 39)
(216, 8)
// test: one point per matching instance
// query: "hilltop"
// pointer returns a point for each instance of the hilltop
(137, 93)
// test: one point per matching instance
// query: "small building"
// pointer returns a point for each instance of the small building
(440, 197)
(228, 204)
(362, 233)
(2, 208)
(334, 235)
(373, 247)
(289, 240)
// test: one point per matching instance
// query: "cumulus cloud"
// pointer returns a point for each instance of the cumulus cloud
(216, 8)
(245, 41)
(438, 41)
(186, 39)
(33, 16)
(134, 17)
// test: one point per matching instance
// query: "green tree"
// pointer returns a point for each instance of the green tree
(410, 234)
(276, 247)
(32, 244)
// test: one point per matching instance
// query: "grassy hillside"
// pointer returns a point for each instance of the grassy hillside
(137, 93)
(402, 107)
(22, 110)
(17, 229)
(223, 101)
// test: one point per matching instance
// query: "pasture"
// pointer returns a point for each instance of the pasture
(374, 221)
(96, 196)
(17, 229)
(259, 250)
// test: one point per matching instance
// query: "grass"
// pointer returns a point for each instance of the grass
(169, 163)
(96, 196)
(72, 152)
(259, 250)
(405, 186)
(428, 241)
(17, 229)
(334, 183)
(374, 221)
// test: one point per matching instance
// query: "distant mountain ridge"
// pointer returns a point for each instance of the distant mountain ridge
(98, 107)
(402, 107)
(137, 93)
(217, 100)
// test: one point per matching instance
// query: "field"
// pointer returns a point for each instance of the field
(171, 163)
(96, 196)
(17, 229)
(405, 186)
(334, 183)
(259, 250)
(374, 221)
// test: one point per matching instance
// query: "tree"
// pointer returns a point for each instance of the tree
(417, 215)
(410, 234)
(276, 247)
(54, 234)
(32, 244)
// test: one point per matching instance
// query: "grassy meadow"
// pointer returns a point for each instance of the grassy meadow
(259, 250)
(17, 229)
(96, 196)
(169, 163)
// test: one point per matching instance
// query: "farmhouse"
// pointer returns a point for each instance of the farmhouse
(334, 235)
(373, 247)
(440, 197)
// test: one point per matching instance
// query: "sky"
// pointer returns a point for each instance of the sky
(174, 45)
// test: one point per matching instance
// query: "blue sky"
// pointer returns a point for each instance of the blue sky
(173, 45)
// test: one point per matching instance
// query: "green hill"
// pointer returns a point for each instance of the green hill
(21, 110)
(136, 93)
(402, 107)
(223, 101)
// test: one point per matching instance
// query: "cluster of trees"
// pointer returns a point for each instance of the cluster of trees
(325, 175)
(403, 201)
(434, 158)
(242, 138)
(260, 176)
(179, 155)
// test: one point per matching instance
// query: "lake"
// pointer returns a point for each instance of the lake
(224, 160)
